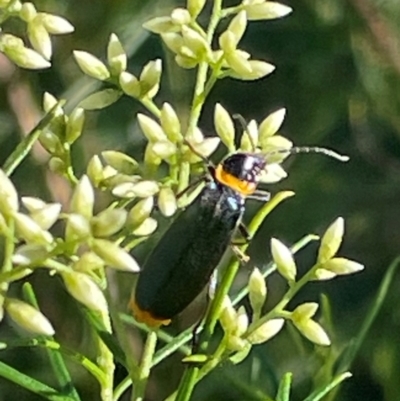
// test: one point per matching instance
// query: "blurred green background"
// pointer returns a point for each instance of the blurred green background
(338, 75)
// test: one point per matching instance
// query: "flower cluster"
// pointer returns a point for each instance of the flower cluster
(39, 27)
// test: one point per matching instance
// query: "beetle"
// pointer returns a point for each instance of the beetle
(182, 262)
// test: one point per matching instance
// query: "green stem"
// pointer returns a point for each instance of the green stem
(122, 387)
(9, 248)
(25, 146)
(144, 367)
(151, 106)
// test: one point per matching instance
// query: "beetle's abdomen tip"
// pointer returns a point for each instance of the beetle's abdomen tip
(146, 317)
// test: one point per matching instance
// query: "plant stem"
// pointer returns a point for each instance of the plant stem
(144, 367)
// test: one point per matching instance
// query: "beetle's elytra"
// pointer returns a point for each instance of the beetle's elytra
(175, 273)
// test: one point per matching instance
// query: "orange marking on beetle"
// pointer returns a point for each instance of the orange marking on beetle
(243, 187)
(143, 316)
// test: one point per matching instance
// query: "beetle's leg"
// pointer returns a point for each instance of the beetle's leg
(260, 195)
(245, 234)
(243, 258)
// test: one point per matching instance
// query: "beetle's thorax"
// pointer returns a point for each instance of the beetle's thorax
(241, 172)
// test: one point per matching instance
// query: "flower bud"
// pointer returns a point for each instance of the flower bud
(195, 42)
(266, 331)
(28, 12)
(85, 290)
(275, 173)
(342, 266)
(95, 170)
(227, 42)
(91, 65)
(331, 240)
(8, 195)
(33, 204)
(235, 343)
(164, 149)
(151, 130)
(266, 10)
(150, 76)
(284, 260)
(101, 99)
(195, 7)
(249, 138)
(186, 62)
(77, 228)
(161, 25)
(271, 124)
(170, 123)
(55, 25)
(108, 222)
(224, 126)
(242, 321)
(30, 254)
(180, 16)
(174, 41)
(114, 256)
(28, 317)
(312, 331)
(238, 26)
(49, 101)
(47, 215)
(51, 142)
(30, 231)
(205, 149)
(56, 165)
(257, 292)
(140, 212)
(228, 316)
(305, 311)
(116, 56)
(145, 189)
(82, 200)
(167, 201)
(129, 84)
(146, 228)
(259, 69)
(75, 125)
(14, 48)
(120, 161)
(238, 63)
(88, 262)
(39, 38)
(322, 274)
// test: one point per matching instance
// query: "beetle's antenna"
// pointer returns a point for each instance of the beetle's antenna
(312, 149)
(243, 123)
(206, 161)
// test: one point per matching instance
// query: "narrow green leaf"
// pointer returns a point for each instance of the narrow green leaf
(283, 393)
(323, 391)
(31, 384)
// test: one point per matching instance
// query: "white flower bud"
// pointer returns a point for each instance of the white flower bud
(342, 266)
(39, 38)
(195, 42)
(180, 16)
(116, 55)
(49, 101)
(129, 84)
(114, 256)
(140, 212)
(284, 260)
(271, 124)
(146, 228)
(28, 12)
(259, 69)
(55, 25)
(108, 222)
(91, 65)
(47, 215)
(257, 291)
(170, 123)
(195, 7)
(331, 240)
(75, 125)
(120, 161)
(152, 130)
(82, 200)
(266, 10)
(8, 195)
(266, 331)
(150, 77)
(28, 317)
(167, 201)
(224, 126)
(312, 331)
(29, 254)
(30, 231)
(85, 290)
(95, 170)
(161, 25)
